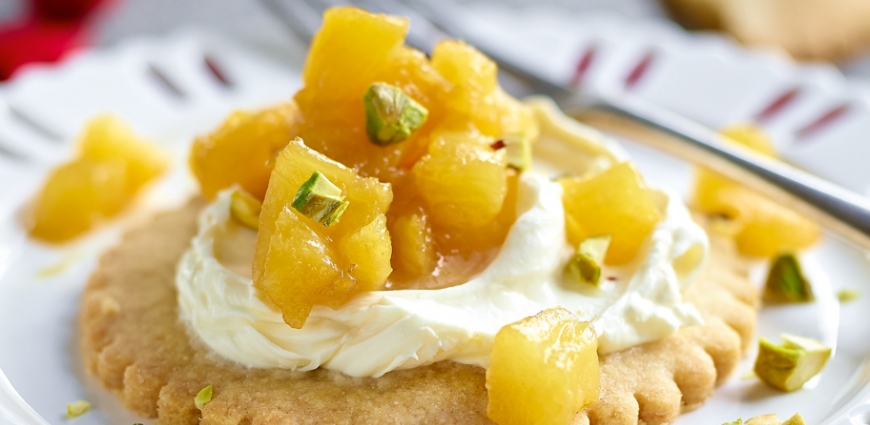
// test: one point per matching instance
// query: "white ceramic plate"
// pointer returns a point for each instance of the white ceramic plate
(169, 90)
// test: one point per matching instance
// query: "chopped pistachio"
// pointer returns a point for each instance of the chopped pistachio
(77, 408)
(246, 208)
(848, 295)
(518, 152)
(585, 265)
(333, 218)
(391, 115)
(203, 397)
(320, 200)
(790, 365)
(786, 283)
(737, 422)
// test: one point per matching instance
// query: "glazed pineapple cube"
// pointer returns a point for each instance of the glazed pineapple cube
(543, 370)
(108, 138)
(350, 50)
(413, 250)
(615, 202)
(112, 166)
(242, 149)
(750, 136)
(76, 197)
(770, 229)
(298, 266)
(474, 74)
(369, 249)
(411, 71)
(493, 112)
(764, 228)
(461, 180)
(299, 262)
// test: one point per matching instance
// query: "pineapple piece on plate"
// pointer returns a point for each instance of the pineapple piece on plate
(544, 370)
(615, 202)
(112, 166)
(763, 228)
(242, 150)
(462, 180)
(299, 261)
(76, 197)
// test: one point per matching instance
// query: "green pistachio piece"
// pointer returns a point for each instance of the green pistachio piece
(848, 295)
(786, 283)
(320, 200)
(518, 152)
(737, 422)
(790, 365)
(77, 408)
(585, 265)
(391, 115)
(333, 218)
(203, 397)
(245, 208)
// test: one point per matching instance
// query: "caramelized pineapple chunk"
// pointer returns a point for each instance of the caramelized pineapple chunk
(107, 138)
(615, 202)
(368, 250)
(76, 197)
(410, 70)
(298, 266)
(770, 229)
(750, 136)
(543, 370)
(473, 74)
(477, 94)
(112, 167)
(413, 250)
(762, 227)
(298, 262)
(462, 181)
(241, 150)
(350, 50)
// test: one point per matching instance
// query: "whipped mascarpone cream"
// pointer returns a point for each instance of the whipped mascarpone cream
(381, 331)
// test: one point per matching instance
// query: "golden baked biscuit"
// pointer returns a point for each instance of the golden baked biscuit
(134, 344)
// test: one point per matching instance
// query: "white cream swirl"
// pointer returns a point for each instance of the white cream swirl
(385, 330)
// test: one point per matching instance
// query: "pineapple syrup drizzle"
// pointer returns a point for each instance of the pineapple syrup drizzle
(380, 331)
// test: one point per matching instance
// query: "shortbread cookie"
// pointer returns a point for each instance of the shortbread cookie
(134, 344)
(806, 29)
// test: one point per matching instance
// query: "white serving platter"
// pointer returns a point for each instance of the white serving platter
(176, 87)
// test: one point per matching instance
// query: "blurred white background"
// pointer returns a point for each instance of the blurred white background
(248, 19)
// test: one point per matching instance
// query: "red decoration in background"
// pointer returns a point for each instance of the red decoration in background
(50, 29)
